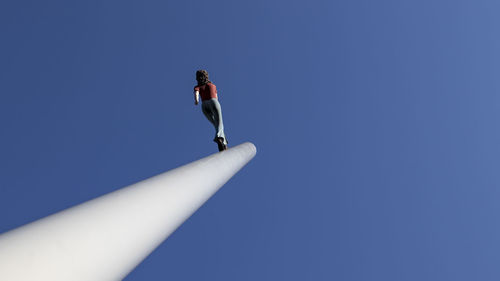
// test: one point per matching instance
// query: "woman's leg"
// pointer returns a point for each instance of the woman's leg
(219, 128)
(208, 112)
(212, 110)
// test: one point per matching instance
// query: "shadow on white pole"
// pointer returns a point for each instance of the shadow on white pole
(107, 237)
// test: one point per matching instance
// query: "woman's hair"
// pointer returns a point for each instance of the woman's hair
(202, 77)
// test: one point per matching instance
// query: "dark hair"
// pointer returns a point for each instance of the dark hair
(202, 77)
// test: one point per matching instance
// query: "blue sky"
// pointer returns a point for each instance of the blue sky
(376, 124)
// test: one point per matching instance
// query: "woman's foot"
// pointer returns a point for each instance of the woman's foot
(220, 143)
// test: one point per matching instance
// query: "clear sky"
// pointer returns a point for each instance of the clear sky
(376, 124)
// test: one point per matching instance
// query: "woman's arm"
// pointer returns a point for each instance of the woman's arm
(196, 97)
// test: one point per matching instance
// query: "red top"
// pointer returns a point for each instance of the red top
(207, 91)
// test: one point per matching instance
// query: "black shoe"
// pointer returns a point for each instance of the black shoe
(220, 143)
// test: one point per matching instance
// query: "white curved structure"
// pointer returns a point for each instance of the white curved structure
(107, 237)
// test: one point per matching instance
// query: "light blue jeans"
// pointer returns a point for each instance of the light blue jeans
(212, 110)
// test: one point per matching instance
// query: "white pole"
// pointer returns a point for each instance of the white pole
(105, 238)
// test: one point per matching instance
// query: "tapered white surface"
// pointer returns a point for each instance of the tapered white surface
(105, 238)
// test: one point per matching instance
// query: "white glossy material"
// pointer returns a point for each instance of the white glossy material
(106, 238)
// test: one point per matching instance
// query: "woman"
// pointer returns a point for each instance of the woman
(210, 106)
